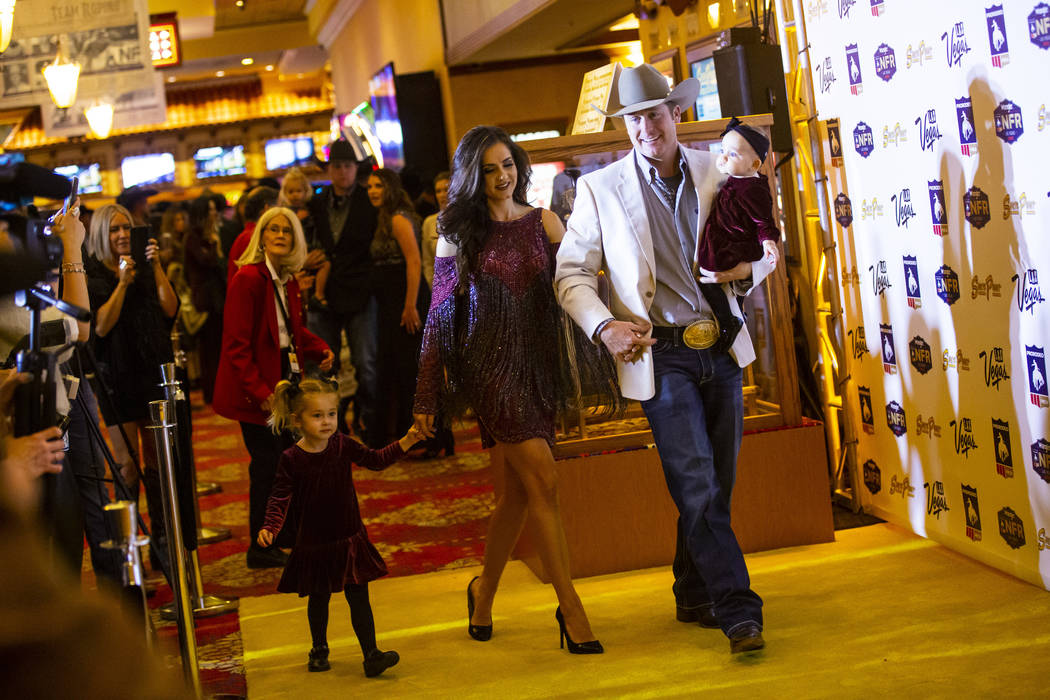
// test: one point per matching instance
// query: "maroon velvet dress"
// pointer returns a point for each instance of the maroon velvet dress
(332, 547)
(741, 218)
(496, 347)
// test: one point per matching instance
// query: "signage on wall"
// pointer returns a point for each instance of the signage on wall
(596, 91)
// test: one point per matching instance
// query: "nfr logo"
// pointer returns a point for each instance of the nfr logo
(856, 81)
(1011, 529)
(947, 283)
(1039, 25)
(1028, 292)
(867, 418)
(863, 139)
(1009, 124)
(835, 142)
(1041, 459)
(1035, 362)
(911, 281)
(895, 419)
(967, 134)
(872, 477)
(993, 16)
(938, 212)
(889, 357)
(995, 371)
(977, 207)
(928, 129)
(885, 62)
(921, 355)
(1004, 461)
(955, 45)
(973, 513)
(843, 210)
(877, 8)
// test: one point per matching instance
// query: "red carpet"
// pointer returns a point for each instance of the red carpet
(422, 515)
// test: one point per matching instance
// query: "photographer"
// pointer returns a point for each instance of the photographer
(134, 306)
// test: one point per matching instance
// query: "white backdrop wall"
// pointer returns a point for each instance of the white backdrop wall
(939, 137)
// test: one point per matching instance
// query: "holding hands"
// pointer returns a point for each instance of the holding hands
(626, 340)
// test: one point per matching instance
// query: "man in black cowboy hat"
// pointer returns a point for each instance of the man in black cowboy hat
(136, 201)
(345, 222)
(662, 332)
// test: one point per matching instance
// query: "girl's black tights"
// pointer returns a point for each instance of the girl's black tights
(360, 616)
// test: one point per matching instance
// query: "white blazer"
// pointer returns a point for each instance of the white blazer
(609, 231)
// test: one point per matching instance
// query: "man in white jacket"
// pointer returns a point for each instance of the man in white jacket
(639, 221)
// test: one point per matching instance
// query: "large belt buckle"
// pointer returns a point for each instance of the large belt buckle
(702, 334)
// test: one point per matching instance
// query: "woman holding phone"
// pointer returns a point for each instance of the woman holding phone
(134, 306)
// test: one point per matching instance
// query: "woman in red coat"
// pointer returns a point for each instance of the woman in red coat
(263, 341)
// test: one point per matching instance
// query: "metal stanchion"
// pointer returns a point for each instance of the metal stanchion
(122, 518)
(204, 605)
(161, 414)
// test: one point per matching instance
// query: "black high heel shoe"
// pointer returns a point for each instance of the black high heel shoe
(481, 633)
(591, 647)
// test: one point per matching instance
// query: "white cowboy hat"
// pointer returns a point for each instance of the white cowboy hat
(643, 86)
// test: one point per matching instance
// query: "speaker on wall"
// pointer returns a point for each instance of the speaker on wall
(751, 81)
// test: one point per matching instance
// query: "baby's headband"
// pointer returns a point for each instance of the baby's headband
(757, 141)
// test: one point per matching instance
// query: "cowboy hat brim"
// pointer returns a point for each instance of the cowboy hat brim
(684, 95)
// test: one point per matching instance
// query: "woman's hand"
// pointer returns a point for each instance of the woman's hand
(125, 270)
(153, 253)
(626, 341)
(327, 360)
(741, 271)
(69, 227)
(424, 423)
(410, 319)
(265, 538)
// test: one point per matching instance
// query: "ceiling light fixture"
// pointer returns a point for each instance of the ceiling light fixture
(220, 73)
(7, 23)
(62, 76)
(269, 68)
(100, 118)
(712, 15)
(247, 61)
(239, 4)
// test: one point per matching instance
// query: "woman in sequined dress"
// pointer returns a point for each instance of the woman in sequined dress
(492, 342)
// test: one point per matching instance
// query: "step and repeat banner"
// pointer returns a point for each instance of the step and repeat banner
(938, 146)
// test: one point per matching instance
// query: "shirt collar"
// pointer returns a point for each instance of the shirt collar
(282, 278)
(649, 170)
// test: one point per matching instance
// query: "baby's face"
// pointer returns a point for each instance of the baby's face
(738, 158)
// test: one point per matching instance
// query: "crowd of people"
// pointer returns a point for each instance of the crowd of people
(446, 306)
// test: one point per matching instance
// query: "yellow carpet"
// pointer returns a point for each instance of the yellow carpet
(879, 613)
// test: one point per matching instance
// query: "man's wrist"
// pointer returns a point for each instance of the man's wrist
(597, 335)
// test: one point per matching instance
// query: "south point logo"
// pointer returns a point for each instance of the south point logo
(1035, 362)
(1004, 461)
(1020, 207)
(870, 210)
(967, 134)
(1009, 124)
(850, 277)
(843, 210)
(947, 284)
(901, 487)
(955, 46)
(1039, 25)
(856, 81)
(1028, 293)
(880, 277)
(938, 212)
(955, 360)
(936, 501)
(1011, 528)
(927, 427)
(845, 6)
(977, 207)
(863, 139)
(902, 208)
(1041, 459)
(872, 477)
(911, 281)
(918, 55)
(973, 513)
(1043, 539)
(825, 75)
(986, 288)
(995, 370)
(815, 9)
(928, 130)
(897, 135)
(920, 354)
(885, 62)
(858, 343)
(889, 357)
(964, 440)
(993, 17)
(867, 419)
(895, 419)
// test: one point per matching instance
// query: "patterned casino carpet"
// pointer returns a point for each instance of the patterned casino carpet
(422, 515)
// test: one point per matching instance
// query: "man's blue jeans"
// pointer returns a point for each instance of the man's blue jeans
(697, 417)
(361, 332)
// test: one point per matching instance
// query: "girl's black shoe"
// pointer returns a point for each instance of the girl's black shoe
(481, 633)
(378, 661)
(592, 647)
(318, 659)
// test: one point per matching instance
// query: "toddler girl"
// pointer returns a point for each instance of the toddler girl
(332, 552)
(295, 193)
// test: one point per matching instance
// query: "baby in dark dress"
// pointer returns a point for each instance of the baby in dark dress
(332, 552)
(740, 226)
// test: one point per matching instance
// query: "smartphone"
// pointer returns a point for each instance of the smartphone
(74, 187)
(140, 236)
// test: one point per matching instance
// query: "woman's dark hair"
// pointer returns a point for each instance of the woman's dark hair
(199, 212)
(395, 199)
(465, 220)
